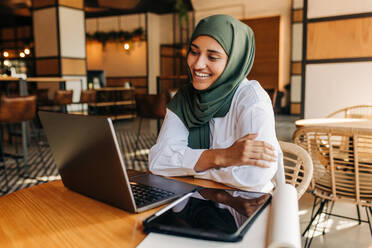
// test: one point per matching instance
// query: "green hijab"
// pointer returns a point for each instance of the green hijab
(197, 107)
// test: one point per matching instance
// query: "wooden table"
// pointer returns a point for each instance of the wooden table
(363, 124)
(50, 215)
(60, 80)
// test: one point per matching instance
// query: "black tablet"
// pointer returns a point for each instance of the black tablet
(213, 214)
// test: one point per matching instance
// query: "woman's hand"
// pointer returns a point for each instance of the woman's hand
(247, 151)
(244, 151)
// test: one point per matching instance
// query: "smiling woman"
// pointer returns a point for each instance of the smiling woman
(220, 126)
(206, 61)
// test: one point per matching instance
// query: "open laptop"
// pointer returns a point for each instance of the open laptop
(89, 160)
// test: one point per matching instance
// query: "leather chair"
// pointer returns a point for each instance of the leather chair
(149, 106)
(14, 110)
(87, 97)
(62, 98)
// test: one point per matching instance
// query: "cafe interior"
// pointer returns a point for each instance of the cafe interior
(125, 59)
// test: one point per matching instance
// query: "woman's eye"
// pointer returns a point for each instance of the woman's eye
(193, 52)
(213, 58)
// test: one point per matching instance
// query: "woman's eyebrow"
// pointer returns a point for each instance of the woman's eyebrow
(214, 51)
(193, 45)
(209, 50)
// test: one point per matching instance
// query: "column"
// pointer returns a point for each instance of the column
(60, 46)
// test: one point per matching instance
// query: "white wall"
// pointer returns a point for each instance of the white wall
(153, 39)
(72, 32)
(332, 86)
(321, 8)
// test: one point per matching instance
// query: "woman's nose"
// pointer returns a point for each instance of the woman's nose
(200, 62)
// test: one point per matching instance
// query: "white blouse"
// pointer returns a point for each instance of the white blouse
(250, 112)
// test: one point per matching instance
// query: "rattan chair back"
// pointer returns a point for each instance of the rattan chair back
(358, 111)
(342, 159)
(298, 166)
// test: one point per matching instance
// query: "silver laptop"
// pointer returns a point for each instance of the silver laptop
(89, 160)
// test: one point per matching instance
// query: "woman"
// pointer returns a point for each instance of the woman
(220, 126)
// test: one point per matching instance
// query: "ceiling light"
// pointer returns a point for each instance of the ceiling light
(22, 54)
(6, 54)
(27, 51)
(126, 46)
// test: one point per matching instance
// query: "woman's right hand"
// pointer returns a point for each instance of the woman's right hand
(248, 151)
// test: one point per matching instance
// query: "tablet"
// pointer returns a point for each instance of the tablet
(212, 214)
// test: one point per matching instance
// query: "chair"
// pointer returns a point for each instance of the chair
(88, 97)
(14, 110)
(298, 166)
(358, 111)
(272, 92)
(62, 98)
(342, 169)
(149, 106)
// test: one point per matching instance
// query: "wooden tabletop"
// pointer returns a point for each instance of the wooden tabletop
(335, 123)
(51, 79)
(7, 79)
(41, 79)
(50, 215)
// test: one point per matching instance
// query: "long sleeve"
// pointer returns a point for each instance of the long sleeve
(171, 156)
(258, 118)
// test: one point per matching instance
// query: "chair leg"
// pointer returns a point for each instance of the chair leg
(328, 213)
(318, 213)
(369, 220)
(2, 165)
(315, 203)
(25, 148)
(137, 139)
(39, 149)
(358, 212)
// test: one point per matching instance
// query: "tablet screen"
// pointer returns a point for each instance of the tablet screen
(210, 213)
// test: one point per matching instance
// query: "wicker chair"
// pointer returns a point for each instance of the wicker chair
(342, 159)
(298, 167)
(358, 111)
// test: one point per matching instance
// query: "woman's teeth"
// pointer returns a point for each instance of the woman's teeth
(199, 74)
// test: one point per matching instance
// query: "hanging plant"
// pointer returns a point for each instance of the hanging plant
(182, 12)
(116, 36)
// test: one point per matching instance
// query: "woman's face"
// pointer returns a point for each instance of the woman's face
(206, 60)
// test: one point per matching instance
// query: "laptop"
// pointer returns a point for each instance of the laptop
(88, 157)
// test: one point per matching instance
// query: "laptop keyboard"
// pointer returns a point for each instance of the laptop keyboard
(145, 195)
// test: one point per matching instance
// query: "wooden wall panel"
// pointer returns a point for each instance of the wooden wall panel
(48, 67)
(24, 32)
(42, 3)
(351, 38)
(78, 4)
(266, 65)
(265, 72)
(73, 67)
(295, 108)
(7, 33)
(296, 68)
(297, 15)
